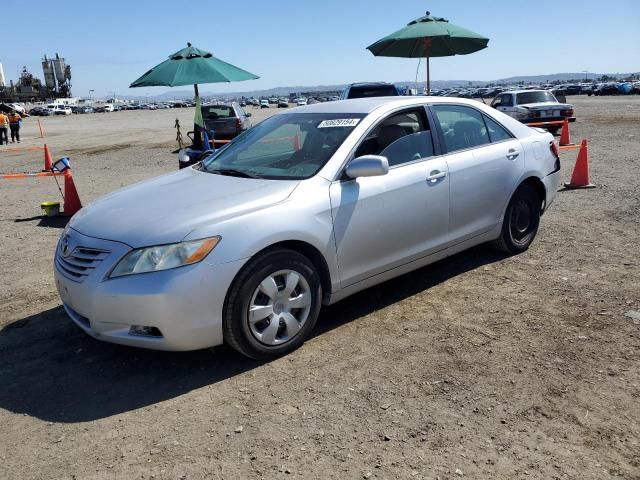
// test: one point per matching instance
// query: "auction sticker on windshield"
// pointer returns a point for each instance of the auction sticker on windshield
(339, 122)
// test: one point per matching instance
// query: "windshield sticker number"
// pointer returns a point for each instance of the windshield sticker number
(339, 122)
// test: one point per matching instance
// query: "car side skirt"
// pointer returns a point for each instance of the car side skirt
(416, 264)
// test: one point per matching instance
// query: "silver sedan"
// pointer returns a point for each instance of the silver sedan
(303, 210)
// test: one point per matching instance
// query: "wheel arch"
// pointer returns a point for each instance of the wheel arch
(309, 251)
(535, 183)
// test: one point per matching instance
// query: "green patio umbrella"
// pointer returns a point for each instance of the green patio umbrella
(427, 37)
(192, 66)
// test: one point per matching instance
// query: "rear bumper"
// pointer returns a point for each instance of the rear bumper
(551, 184)
(549, 119)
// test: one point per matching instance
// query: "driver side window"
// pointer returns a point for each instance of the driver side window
(403, 137)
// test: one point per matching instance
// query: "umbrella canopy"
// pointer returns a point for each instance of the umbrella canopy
(427, 37)
(191, 66)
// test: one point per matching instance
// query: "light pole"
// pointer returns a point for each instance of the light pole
(90, 92)
(586, 75)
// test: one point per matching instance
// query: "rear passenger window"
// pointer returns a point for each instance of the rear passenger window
(462, 127)
(497, 132)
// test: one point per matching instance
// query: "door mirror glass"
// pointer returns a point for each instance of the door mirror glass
(367, 166)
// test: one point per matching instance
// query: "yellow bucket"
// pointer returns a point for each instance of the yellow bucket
(50, 209)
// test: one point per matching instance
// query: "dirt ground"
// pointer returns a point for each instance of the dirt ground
(481, 366)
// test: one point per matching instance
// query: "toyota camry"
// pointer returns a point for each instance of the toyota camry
(303, 210)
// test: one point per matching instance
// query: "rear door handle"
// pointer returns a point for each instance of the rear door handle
(436, 175)
(512, 154)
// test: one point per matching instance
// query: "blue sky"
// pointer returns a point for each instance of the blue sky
(296, 42)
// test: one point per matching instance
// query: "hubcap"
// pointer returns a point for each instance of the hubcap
(279, 307)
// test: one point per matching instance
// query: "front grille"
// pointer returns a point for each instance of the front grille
(81, 262)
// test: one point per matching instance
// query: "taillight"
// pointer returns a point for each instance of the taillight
(567, 113)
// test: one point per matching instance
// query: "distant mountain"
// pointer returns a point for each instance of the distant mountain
(285, 91)
(559, 77)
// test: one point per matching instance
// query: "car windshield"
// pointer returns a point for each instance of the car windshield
(287, 147)
(535, 97)
(217, 111)
(373, 91)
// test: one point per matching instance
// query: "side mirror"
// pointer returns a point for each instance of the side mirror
(248, 114)
(367, 166)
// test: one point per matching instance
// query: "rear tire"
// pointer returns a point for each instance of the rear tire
(521, 221)
(272, 305)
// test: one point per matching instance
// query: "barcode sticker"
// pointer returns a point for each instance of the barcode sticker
(339, 122)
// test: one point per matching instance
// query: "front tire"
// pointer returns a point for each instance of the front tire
(521, 221)
(272, 305)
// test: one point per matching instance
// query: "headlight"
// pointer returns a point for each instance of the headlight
(164, 257)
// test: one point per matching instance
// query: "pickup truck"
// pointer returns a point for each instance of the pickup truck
(225, 122)
(534, 106)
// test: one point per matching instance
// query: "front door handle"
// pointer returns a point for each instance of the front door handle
(512, 154)
(436, 175)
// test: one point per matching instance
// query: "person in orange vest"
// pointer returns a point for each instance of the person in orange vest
(4, 127)
(15, 122)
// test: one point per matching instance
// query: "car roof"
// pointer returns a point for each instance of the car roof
(372, 84)
(368, 105)
(524, 91)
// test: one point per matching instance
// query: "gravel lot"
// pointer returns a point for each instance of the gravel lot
(480, 366)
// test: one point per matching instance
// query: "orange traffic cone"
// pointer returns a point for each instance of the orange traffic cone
(296, 143)
(565, 136)
(580, 176)
(48, 161)
(71, 198)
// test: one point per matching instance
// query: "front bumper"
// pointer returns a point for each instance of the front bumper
(183, 304)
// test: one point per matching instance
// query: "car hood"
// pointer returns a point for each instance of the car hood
(543, 105)
(166, 209)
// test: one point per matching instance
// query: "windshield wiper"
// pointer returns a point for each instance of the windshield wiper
(232, 172)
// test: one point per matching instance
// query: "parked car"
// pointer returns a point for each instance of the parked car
(41, 112)
(283, 103)
(246, 246)
(301, 102)
(534, 106)
(264, 103)
(366, 90)
(226, 122)
(59, 109)
(603, 89)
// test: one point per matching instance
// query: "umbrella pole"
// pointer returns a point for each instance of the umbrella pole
(428, 80)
